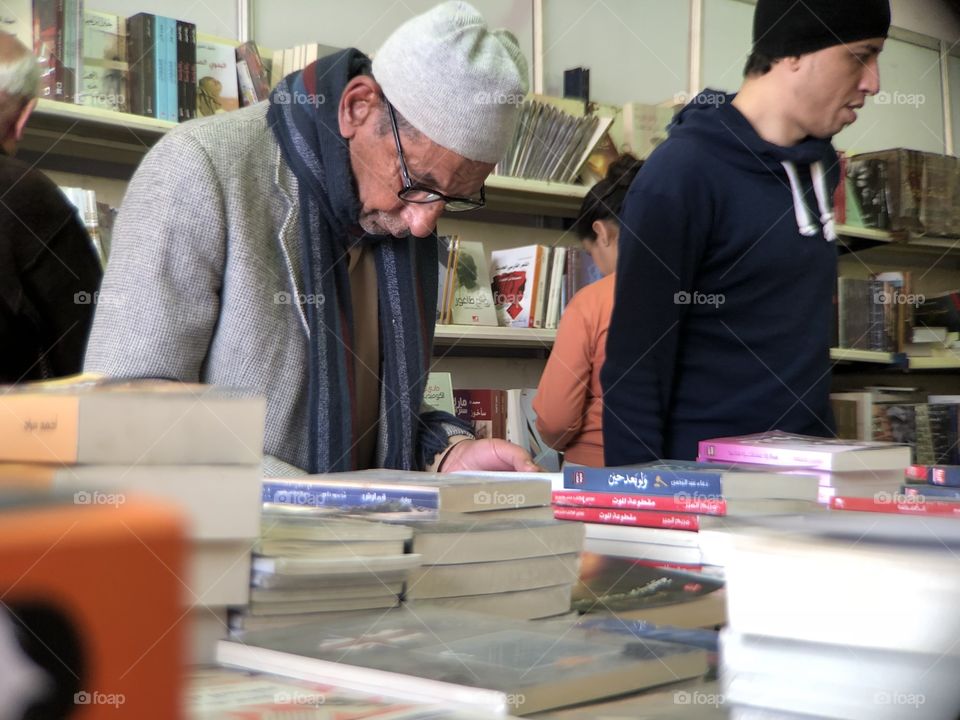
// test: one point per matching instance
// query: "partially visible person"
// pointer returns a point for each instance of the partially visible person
(569, 403)
(49, 272)
(724, 296)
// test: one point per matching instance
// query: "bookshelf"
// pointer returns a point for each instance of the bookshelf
(855, 239)
(494, 337)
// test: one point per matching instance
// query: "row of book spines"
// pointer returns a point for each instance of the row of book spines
(163, 67)
(947, 475)
(546, 283)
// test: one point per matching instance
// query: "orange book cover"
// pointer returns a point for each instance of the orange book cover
(90, 622)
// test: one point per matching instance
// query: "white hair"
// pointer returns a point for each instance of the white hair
(20, 76)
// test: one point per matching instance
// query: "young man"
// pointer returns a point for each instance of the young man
(723, 307)
(288, 247)
(49, 271)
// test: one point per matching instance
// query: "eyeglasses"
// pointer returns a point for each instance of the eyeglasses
(414, 193)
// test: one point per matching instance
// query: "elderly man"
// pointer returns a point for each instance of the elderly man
(288, 247)
(49, 270)
(728, 263)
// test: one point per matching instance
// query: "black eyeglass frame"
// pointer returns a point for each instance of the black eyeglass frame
(451, 203)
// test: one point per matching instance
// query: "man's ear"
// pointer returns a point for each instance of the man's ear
(360, 102)
(21, 122)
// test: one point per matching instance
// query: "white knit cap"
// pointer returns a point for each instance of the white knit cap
(454, 80)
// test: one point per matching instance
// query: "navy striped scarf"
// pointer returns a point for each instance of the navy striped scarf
(303, 115)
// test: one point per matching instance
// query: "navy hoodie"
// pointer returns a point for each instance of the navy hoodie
(723, 313)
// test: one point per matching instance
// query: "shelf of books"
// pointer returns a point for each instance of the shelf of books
(479, 336)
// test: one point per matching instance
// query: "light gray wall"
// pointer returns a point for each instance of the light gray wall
(213, 17)
(365, 24)
(636, 50)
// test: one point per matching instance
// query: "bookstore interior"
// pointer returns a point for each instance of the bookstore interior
(657, 415)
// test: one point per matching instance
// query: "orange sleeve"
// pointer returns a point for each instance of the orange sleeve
(561, 399)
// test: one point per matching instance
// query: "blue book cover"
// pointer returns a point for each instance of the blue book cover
(946, 475)
(932, 491)
(663, 478)
(380, 498)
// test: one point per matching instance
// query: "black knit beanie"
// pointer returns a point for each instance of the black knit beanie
(786, 28)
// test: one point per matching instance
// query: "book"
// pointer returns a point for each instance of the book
(692, 480)
(438, 392)
(931, 491)
(221, 502)
(217, 88)
(391, 490)
(905, 505)
(491, 664)
(487, 578)
(530, 604)
(633, 590)
(780, 448)
(186, 70)
(641, 534)
(388, 566)
(656, 552)
(249, 54)
(142, 57)
(472, 302)
(222, 694)
(641, 518)
(471, 539)
(48, 45)
(948, 475)
(484, 409)
(680, 503)
(514, 283)
(217, 573)
(89, 420)
(103, 79)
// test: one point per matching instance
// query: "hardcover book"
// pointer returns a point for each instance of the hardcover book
(494, 665)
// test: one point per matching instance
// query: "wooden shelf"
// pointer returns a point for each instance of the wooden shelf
(477, 336)
(864, 356)
(535, 197)
(900, 241)
(935, 363)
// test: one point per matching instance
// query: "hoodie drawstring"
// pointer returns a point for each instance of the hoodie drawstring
(805, 223)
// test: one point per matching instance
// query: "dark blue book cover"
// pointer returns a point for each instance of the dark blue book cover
(663, 478)
(932, 491)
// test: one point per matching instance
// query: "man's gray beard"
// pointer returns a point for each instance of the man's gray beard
(379, 223)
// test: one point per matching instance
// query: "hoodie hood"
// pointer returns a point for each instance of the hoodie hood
(711, 120)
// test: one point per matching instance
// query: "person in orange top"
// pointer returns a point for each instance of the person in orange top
(568, 402)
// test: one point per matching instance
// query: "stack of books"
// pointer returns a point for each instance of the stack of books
(842, 467)
(308, 563)
(195, 445)
(654, 512)
(474, 543)
(788, 651)
(929, 490)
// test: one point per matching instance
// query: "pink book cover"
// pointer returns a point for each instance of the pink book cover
(781, 449)
(625, 501)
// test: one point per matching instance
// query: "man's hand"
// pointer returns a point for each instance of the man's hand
(489, 454)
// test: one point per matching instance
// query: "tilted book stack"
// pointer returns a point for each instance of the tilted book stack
(197, 446)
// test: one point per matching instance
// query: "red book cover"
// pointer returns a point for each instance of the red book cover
(918, 473)
(642, 518)
(840, 195)
(896, 505)
(48, 20)
(485, 409)
(622, 501)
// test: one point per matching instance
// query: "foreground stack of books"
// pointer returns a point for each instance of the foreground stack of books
(194, 445)
(471, 543)
(475, 662)
(841, 615)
